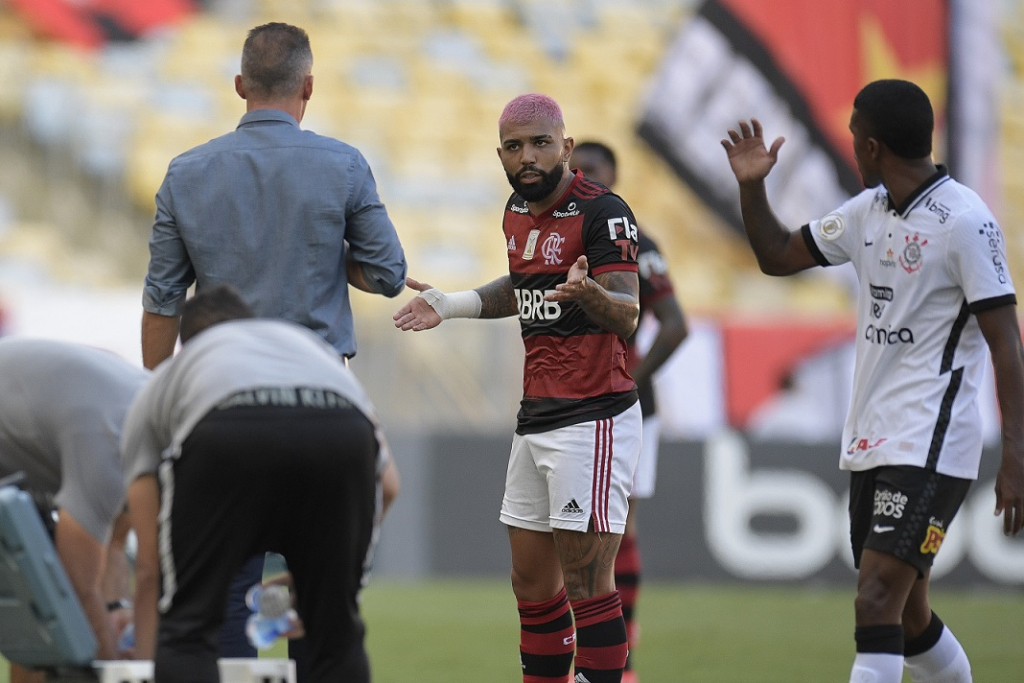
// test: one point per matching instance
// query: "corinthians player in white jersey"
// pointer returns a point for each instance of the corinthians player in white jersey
(935, 293)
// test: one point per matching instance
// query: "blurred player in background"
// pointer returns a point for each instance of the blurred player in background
(61, 410)
(934, 292)
(254, 438)
(572, 281)
(288, 217)
(597, 162)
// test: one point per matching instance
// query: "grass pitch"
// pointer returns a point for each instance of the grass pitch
(456, 631)
(467, 632)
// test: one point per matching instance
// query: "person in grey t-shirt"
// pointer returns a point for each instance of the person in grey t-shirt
(288, 217)
(62, 406)
(254, 438)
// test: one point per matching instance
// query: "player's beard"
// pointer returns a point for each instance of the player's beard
(537, 191)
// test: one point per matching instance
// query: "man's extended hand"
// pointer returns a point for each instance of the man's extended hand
(749, 158)
(417, 315)
(576, 286)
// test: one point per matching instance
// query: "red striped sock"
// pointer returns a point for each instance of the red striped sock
(627, 581)
(546, 640)
(601, 633)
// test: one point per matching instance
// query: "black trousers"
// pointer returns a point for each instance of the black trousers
(300, 481)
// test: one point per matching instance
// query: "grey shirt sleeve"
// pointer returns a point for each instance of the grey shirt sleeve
(372, 239)
(170, 269)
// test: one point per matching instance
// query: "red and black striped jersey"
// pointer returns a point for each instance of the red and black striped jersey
(575, 370)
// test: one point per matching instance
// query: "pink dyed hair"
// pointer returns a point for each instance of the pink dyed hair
(530, 107)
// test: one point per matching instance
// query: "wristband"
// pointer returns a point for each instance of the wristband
(465, 304)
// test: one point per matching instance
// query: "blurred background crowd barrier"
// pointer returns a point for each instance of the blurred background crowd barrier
(97, 96)
(726, 510)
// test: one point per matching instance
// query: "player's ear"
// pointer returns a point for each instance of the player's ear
(239, 88)
(874, 148)
(568, 144)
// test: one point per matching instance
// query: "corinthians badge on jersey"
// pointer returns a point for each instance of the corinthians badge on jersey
(912, 256)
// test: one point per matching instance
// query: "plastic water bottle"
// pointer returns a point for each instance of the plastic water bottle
(272, 615)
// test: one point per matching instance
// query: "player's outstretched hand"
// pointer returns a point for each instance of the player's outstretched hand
(417, 315)
(576, 284)
(1010, 498)
(748, 157)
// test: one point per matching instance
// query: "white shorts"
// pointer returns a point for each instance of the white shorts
(564, 478)
(647, 468)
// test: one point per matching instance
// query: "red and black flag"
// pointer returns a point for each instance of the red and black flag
(796, 65)
(91, 23)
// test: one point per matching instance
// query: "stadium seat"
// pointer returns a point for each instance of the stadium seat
(418, 87)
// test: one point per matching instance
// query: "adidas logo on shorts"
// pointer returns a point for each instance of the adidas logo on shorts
(572, 508)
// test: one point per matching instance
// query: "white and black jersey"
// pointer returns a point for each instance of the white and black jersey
(925, 268)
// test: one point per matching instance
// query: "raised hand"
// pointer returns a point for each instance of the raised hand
(576, 283)
(417, 315)
(748, 157)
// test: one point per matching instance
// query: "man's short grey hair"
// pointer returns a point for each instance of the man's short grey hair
(276, 59)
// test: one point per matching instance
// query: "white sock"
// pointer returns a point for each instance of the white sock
(877, 667)
(945, 662)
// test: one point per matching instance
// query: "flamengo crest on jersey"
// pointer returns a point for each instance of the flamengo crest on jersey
(575, 370)
(925, 268)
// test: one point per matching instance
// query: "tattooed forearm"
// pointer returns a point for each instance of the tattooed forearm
(498, 299)
(588, 562)
(615, 303)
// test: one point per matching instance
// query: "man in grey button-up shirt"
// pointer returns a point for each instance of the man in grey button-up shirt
(288, 217)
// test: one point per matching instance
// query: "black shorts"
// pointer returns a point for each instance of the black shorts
(298, 480)
(903, 511)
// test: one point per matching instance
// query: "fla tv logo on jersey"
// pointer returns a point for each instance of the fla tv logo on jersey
(624, 235)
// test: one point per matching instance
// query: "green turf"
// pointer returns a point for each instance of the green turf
(467, 632)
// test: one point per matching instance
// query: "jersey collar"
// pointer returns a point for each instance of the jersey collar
(940, 176)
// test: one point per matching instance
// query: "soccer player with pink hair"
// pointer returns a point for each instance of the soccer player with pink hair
(572, 249)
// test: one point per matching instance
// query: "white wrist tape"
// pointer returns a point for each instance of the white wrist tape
(455, 305)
